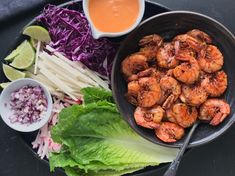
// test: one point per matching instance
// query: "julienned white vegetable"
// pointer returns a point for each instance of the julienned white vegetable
(82, 68)
(62, 76)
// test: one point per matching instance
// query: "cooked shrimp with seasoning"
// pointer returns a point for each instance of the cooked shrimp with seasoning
(193, 95)
(200, 35)
(187, 41)
(184, 115)
(134, 64)
(133, 89)
(166, 56)
(215, 84)
(150, 92)
(150, 45)
(169, 132)
(150, 72)
(215, 111)
(170, 83)
(172, 90)
(187, 72)
(210, 59)
(149, 117)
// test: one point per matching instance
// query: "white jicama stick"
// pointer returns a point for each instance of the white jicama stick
(64, 76)
(81, 67)
(63, 87)
(75, 84)
(68, 68)
(41, 78)
(36, 57)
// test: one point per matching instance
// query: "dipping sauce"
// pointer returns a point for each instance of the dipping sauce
(113, 15)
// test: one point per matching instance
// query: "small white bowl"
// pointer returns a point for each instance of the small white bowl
(6, 112)
(97, 33)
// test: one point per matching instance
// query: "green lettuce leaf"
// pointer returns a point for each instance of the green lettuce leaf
(97, 141)
(93, 95)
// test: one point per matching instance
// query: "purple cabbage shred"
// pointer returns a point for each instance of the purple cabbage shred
(71, 35)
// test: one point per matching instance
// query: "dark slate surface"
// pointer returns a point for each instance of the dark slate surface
(214, 159)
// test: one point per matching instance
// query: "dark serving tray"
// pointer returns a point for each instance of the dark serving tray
(27, 138)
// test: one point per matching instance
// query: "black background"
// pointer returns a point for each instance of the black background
(214, 159)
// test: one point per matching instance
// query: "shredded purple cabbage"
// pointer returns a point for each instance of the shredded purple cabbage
(71, 35)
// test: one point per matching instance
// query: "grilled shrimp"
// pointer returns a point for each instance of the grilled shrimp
(169, 132)
(210, 59)
(186, 41)
(151, 72)
(132, 93)
(172, 90)
(149, 117)
(150, 92)
(193, 95)
(200, 35)
(215, 84)
(150, 44)
(183, 114)
(134, 64)
(187, 72)
(214, 110)
(166, 56)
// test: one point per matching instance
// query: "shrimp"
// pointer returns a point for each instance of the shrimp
(132, 93)
(150, 44)
(187, 72)
(187, 41)
(183, 114)
(150, 92)
(210, 59)
(134, 64)
(169, 132)
(215, 84)
(166, 56)
(172, 90)
(193, 95)
(214, 110)
(149, 117)
(200, 35)
(151, 72)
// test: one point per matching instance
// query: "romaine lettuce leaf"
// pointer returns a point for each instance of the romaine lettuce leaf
(93, 95)
(97, 140)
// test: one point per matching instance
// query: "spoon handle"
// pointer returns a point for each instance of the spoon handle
(172, 170)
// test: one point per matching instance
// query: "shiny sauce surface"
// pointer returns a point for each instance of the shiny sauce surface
(113, 15)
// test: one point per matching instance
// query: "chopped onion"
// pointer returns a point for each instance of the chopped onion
(28, 105)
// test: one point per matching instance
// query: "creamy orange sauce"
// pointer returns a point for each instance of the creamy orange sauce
(113, 15)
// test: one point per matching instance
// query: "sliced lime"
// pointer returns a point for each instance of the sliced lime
(16, 52)
(11, 73)
(4, 85)
(38, 33)
(25, 58)
(33, 42)
(12, 55)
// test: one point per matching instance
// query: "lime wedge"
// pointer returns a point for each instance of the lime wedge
(33, 42)
(16, 52)
(11, 73)
(25, 58)
(38, 33)
(4, 85)
(12, 55)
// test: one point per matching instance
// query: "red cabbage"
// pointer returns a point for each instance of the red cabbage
(71, 35)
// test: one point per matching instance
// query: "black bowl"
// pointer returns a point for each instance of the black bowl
(168, 25)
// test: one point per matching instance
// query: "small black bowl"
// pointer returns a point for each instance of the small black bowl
(168, 25)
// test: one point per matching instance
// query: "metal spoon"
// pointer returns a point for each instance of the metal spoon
(172, 170)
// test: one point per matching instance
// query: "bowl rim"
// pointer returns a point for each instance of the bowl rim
(202, 141)
(27, 81)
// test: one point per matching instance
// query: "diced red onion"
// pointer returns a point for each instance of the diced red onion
(28, 105)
